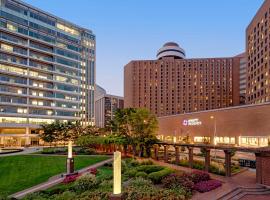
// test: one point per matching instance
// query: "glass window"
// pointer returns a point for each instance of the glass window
(14, 39)
(13, 59)
(14, 18)
(12, 79)
(42, 18)
(9, 68)
(42, 28)
(40, 56)
(67, 29)
(41, 46)
(67, 54)
(11, 89)
(67, 62)
(41, 37)
(16, 7)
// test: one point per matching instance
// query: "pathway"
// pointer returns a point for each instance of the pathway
(28, 150)
(54, 181)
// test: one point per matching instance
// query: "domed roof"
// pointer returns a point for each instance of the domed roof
(171, 49)
(170, 44)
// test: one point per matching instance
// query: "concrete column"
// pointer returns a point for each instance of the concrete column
(156, 149)
(237, 142)
(27, 138)
(177, 155)
(190, 156)
(207, 160)
(228, 162)
(165, 153)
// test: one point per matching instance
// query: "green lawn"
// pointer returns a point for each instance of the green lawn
(21, 172)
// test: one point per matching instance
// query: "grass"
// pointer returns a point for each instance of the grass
(24, 171)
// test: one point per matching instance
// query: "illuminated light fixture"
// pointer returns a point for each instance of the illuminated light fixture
(117, 173)
(70, 149)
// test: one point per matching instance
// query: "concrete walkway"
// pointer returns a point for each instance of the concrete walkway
(54, 181)
(25, 151)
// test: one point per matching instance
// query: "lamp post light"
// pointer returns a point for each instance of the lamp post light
(70, 159)
(215, 132)
(117, 195)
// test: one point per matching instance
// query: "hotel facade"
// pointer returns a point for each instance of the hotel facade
(222, 101)
(257, 50)
(172, 84)
(47, 72)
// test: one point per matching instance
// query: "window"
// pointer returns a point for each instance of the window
(67, 29)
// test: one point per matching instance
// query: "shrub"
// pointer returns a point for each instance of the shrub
(70, 178)
(141, 174)
(131, 172)
(147, 162)
(85, 182)
(67, 195)
(149, 168)
(108, 165)
(134, 163)
(199, 176)
(90, 151)
(92, 171)
(206, 186)
(144, 190)
(156, 177)
(178, 181)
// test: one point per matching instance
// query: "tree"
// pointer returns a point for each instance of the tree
(137, 126)
(144, 125)
(50, 132)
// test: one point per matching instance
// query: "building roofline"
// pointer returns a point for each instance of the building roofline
(219, 109)
(257, 13)
(185, 59)
(52, 15)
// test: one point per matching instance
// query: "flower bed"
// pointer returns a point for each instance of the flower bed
(206, 186)
(71, 178)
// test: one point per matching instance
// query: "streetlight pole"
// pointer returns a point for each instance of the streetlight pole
(215, 132)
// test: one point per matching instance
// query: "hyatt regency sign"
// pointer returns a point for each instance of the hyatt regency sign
(192, 122)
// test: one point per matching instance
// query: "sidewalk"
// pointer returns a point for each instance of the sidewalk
(54, 181)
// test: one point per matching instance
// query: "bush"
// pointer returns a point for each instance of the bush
(156, 177)
(85, 182)
(90, 151)
(141, 174)
(70, 178)
(178, 181)
(147, 162)
(140, 188)
(92, 171)
(206, 186)
(108, 165)
(67, 195)
(134, 163)
(149, 168)
(131, 172)
(199, 176)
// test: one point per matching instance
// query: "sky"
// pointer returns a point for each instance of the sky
(135, 29)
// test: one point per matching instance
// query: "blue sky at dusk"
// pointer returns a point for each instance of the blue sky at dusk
(135, 29)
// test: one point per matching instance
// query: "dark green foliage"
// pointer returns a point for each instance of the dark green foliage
(141, 174)
(149, 168)
(156, 177)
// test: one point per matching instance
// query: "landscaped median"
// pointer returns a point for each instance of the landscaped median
(23, 171)
(141, 181)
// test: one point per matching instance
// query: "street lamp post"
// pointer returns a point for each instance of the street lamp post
(70, 159)
(215, 132)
